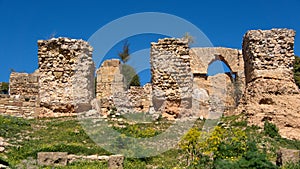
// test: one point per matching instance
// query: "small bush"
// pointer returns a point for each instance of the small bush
(271, 130)
(252, 159)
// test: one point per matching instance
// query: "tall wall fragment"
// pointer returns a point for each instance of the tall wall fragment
(271, 93)
(171, 77)
(66, 74)
(110, 81)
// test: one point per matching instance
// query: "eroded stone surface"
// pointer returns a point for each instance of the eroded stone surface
(66, 74)
(171, 77)
(271, 93)
(285, 156)
(115, 162)
(52, 158)
(25, 85)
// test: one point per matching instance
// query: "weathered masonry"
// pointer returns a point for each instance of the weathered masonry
(271, 93)
(259, 83)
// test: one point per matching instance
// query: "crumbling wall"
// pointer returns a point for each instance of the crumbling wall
(171, 77)
(110, 82)
(112, 93)
(19, 106)
(137, 99)
(66, 74)
(229, 90)
(109, 79)
(271, 93)
(25, 85)
(201, 58)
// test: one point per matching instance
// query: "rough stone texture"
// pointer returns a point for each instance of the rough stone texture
(201, 58)
(52, 158)
(74, 158)
(223, 87)
(18, 106)
(109, 79)
(140, 97)
(3, 144)
(25, 85)
(135, 100)
(66, 74)
(213, 94)
(116, 162)
(271, 93)
(285, 156)
(171, 77)
(110, 82)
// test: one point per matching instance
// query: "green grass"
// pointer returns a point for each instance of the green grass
(28, 137)
(81, 165)
(45, 135)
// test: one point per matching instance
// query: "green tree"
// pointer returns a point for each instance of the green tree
(130, 75)
(131, 78)
(124, 55)
(297, 70)
(4, 87)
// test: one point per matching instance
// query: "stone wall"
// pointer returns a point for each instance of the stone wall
(135, 100)
(171, 77)
(201, 58)
(141, 97)
(66, 74)
(271, 93)
(109, 79)
(18, 106)
(110, 82)
(25, 85)
(222, 86)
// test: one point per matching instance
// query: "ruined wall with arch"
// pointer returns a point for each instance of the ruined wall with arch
(227, 87)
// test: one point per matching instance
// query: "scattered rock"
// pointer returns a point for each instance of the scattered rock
(52, 158)
(116, 162)
(285, 156)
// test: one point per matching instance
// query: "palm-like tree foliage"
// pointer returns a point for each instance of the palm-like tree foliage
(124, 55)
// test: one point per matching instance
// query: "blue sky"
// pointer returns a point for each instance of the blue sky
(223, 22)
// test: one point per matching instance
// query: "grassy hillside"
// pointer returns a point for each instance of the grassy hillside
(232, 144)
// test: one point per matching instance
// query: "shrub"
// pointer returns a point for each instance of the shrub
(252, 159)
(4, 88)
(131, 78)
(297, 70)
(271, 130)
(222, 143)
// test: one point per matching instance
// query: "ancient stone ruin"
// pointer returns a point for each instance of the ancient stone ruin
(222, 86)
(259, 83)
(62, 85)
(66, 73)
(271, 93)
(171, 77)
(26, 85)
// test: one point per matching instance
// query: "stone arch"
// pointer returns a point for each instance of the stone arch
(233, 58)
(201, 58)
(228, 73)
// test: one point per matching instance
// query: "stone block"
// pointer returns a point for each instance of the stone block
(52, 158)
(116, 162)
(285, 156)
